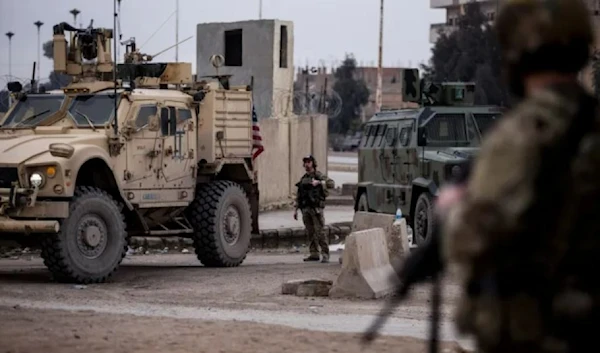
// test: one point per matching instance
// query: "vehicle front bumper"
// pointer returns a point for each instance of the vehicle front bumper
(21, 213)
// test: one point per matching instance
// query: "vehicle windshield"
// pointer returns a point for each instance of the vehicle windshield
(32, 110)
(92, 109)
(485, 121)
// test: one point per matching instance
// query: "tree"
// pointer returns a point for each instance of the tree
(353, 93)
(470, 53)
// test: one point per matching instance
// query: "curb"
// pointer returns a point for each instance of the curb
(267, 239)
(339, 201)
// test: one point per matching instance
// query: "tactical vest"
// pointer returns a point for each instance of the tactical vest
(310, 196)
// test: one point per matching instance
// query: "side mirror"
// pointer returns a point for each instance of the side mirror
(421, 136)
(153, 123)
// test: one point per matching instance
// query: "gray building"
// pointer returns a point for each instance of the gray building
(263, 49)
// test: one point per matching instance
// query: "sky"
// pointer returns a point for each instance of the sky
(324, 30)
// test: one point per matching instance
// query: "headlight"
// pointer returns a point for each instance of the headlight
(456, 171)
(36, 179)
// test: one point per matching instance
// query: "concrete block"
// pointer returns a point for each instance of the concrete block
(299, 233)
(136, 242)
(349, 189)
(396, 237)
(366, 269)
(270, 238)
(187, 242)
(154, 243)
(307, 288)
(284, 233)
(171, 242)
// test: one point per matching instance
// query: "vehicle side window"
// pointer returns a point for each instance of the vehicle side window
(168, 121)
(390, 136)
(447, 128)
(184, 114)
(381, 134)
(404, 138)
(373, 135)
(144, 114)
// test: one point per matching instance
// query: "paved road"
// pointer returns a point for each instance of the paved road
(343, 158)
(341, 178)
(176, 286)
(284, 218)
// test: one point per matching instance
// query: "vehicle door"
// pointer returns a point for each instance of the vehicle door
(444, 131)
(403, 158)
(178, 129)
(143, 149)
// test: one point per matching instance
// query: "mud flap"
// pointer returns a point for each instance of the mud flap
(254, 208)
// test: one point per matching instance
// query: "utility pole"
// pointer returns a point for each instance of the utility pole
(75, 12)
(177, 30)
(379, 93)
(260, 9)
(38, 24)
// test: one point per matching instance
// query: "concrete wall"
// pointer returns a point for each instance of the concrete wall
(260, 59)
(286, 141)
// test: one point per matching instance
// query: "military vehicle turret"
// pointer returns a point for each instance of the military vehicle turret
(405, 155)
(134, 149)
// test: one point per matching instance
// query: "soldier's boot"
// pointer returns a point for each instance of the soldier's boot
(325, 258)
(312, 258)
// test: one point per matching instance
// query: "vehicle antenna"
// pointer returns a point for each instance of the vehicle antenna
(172, 46)
(116, 122)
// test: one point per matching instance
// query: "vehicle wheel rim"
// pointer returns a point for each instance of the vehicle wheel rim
(92, 236)
(231, 225)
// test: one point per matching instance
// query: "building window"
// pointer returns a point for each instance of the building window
(283, 47)
(233, 47)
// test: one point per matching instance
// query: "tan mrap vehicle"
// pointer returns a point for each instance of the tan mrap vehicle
(172, 162)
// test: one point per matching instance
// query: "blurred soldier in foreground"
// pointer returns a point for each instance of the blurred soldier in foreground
(310, 199)
(524, 233)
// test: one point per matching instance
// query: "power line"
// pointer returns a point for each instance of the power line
(161, 26)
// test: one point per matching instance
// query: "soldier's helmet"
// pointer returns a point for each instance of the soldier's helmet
(310, 158)
(545, 35)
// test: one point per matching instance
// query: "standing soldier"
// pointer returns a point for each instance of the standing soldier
(524, 233)
(310, 199)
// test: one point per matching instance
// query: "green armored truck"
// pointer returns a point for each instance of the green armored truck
(405, 155)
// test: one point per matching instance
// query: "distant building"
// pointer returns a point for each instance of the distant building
(263, 49)
(453, 11)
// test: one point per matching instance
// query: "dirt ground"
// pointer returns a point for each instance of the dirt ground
(23, 331)
(169, 302)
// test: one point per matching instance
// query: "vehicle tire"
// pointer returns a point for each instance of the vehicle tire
(92, 241)
(423, 220)
(363, 203)
(222, 220)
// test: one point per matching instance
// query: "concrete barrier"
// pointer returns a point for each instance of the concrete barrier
(396, 238)
(366, 269)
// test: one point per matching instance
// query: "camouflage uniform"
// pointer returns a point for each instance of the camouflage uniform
(526, 237)
(311, 201)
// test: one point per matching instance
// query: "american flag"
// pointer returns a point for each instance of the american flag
(256, 138)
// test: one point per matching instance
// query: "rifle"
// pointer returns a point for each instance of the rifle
(423, 263)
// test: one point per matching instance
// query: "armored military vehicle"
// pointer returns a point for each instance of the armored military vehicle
(405, 155)
(138, 149)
